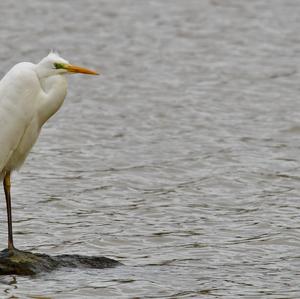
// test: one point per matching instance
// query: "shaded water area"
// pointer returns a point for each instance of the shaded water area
(181, 161)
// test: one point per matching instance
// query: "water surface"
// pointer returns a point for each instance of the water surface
(181, 160)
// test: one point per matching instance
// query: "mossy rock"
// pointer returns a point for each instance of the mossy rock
(28, 263)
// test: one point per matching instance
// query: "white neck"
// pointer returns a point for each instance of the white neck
(54, 90)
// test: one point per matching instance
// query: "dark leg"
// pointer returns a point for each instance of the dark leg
(6, 185)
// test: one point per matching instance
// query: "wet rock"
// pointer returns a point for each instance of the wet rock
(28, 263)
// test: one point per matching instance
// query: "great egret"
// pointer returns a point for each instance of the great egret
(29, 95)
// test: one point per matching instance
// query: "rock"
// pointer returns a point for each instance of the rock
(28, 263)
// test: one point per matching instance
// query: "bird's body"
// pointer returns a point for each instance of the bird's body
(23, 110)
(29, 95)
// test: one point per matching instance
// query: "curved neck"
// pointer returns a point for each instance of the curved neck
(54, 90)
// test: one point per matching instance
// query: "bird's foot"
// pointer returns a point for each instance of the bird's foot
(12, 251)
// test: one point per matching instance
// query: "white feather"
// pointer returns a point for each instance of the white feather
(29, 95)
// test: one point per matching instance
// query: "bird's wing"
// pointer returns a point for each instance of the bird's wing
(17, 95)
(12, 129)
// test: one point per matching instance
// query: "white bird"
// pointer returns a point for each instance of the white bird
(29, 95)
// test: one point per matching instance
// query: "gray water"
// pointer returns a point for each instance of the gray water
(181, 160)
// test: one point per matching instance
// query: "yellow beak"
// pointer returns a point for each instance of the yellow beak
(78, 69)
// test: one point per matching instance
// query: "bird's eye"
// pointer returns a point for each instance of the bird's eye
(58, 65)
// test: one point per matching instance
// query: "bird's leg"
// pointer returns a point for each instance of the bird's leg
(6, 185)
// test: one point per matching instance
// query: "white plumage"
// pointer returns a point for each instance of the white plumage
(24, 97)
(29, 95)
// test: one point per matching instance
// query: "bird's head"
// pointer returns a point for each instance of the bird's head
(53, 64)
